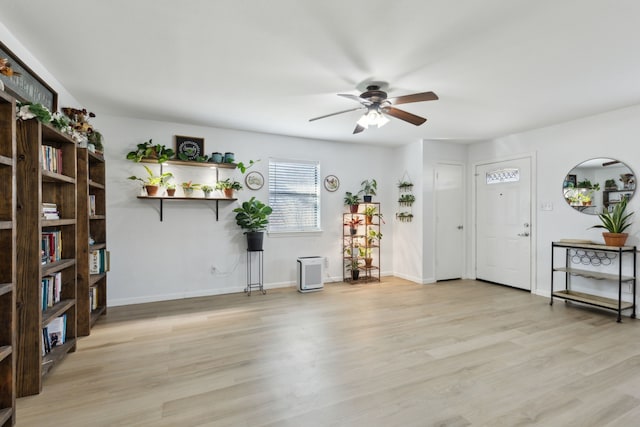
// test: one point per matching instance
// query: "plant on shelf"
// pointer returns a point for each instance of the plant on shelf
(353, 224)
(353, 265)
(369, 212)
(610, 184)
(227, 186)
(373, 237)
(615, 221)
(189, 187)
(243, 168)
(171, 189)
(96, 139)
(351, 200)
(406, 199)
(369, 187)
(189, 156)
(152, 182)
(253, 217)
(207, 190)
(148, 150)
(405, 185)
(404, 216)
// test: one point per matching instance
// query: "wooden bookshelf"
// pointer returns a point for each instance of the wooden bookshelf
(7, 260)
(35, 186)
(91, 225)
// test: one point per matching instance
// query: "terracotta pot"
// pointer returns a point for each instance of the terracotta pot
(367, 262)
(368, 219)
(152, 190)
(228, 192)
(353, 208)
(171, 192)
(615, 239)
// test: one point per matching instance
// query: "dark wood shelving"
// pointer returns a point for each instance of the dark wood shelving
(35, 186)
(8, 256)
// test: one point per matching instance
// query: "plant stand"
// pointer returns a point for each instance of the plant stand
(259, 283)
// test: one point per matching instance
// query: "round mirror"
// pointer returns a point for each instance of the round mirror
(596, 185)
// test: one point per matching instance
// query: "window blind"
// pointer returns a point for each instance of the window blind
(294, 195)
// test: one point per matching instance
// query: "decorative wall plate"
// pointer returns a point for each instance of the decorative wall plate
(254, 180)
(331, 183)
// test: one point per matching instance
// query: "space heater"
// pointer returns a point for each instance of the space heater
(310, 273)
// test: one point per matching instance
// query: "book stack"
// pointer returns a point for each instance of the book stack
(51, 246)
(98, 261)
(51, 159)
(51, 286)
(54, 334)
(92, 205)
(50, 211)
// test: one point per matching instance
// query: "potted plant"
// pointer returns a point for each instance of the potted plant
(369, 187)
(615, 222)
(207, 190)
(171, 189)
(352, 200)
(405, 185)
(353, 266)
(404, 216)
(147, 150)
(227, 186)
(253, 217)
(365, 253)
(610, 184)
(353, 224)
(369, 212)
(189, 187)
(95, 138)
(406, 199)
(152, 182)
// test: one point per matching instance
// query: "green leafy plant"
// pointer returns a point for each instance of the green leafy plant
(253, 215)
(190, 186)
(147, 150)
(228, 184)
(353, 264)
(153, 179)
(369, 187)
(371, 211)
(616, 220)
(373, 236)
(407, 199)
(351, 199)
(404, 185)
(206, 189)
(243, 168)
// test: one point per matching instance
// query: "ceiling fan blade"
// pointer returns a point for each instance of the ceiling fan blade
(403, 115)
(358, 129)
(416, 97)
(355, 98)
(334, 114)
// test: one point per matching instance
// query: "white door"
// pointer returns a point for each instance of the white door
(503, 222)
(449, 221)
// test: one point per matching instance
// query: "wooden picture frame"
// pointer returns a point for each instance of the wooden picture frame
(190, 147)
(27, 87)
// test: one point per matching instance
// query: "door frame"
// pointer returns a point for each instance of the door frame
(531, 156)
(464, 216)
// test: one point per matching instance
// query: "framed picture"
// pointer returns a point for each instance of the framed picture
(331, 183)
(570, 181)
(189, 147)
(254, 180)
(27, 87)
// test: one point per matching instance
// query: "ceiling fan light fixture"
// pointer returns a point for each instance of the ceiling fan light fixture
(373, 117)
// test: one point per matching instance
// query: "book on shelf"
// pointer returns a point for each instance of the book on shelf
(51, 246)
(54, 334)
(92, 205)
(93, 298)
(51, 290)
(99, 261)
(51, 159)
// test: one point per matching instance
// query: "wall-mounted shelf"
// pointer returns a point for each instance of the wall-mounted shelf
(196, 164)
(195, 199)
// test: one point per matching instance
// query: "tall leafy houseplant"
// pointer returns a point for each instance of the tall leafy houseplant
(615, 222)
(253, 217)
(352, 200)
(369, 187)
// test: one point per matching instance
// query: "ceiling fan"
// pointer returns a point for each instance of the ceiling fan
(374, 100)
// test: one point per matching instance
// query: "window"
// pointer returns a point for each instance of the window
(294, 195)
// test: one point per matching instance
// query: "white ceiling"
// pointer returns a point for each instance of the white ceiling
(498, 66)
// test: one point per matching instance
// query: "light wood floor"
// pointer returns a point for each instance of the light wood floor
(393, 354)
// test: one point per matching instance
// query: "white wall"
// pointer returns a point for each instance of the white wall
(65, 99)
(558, 149)
(153, 260)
